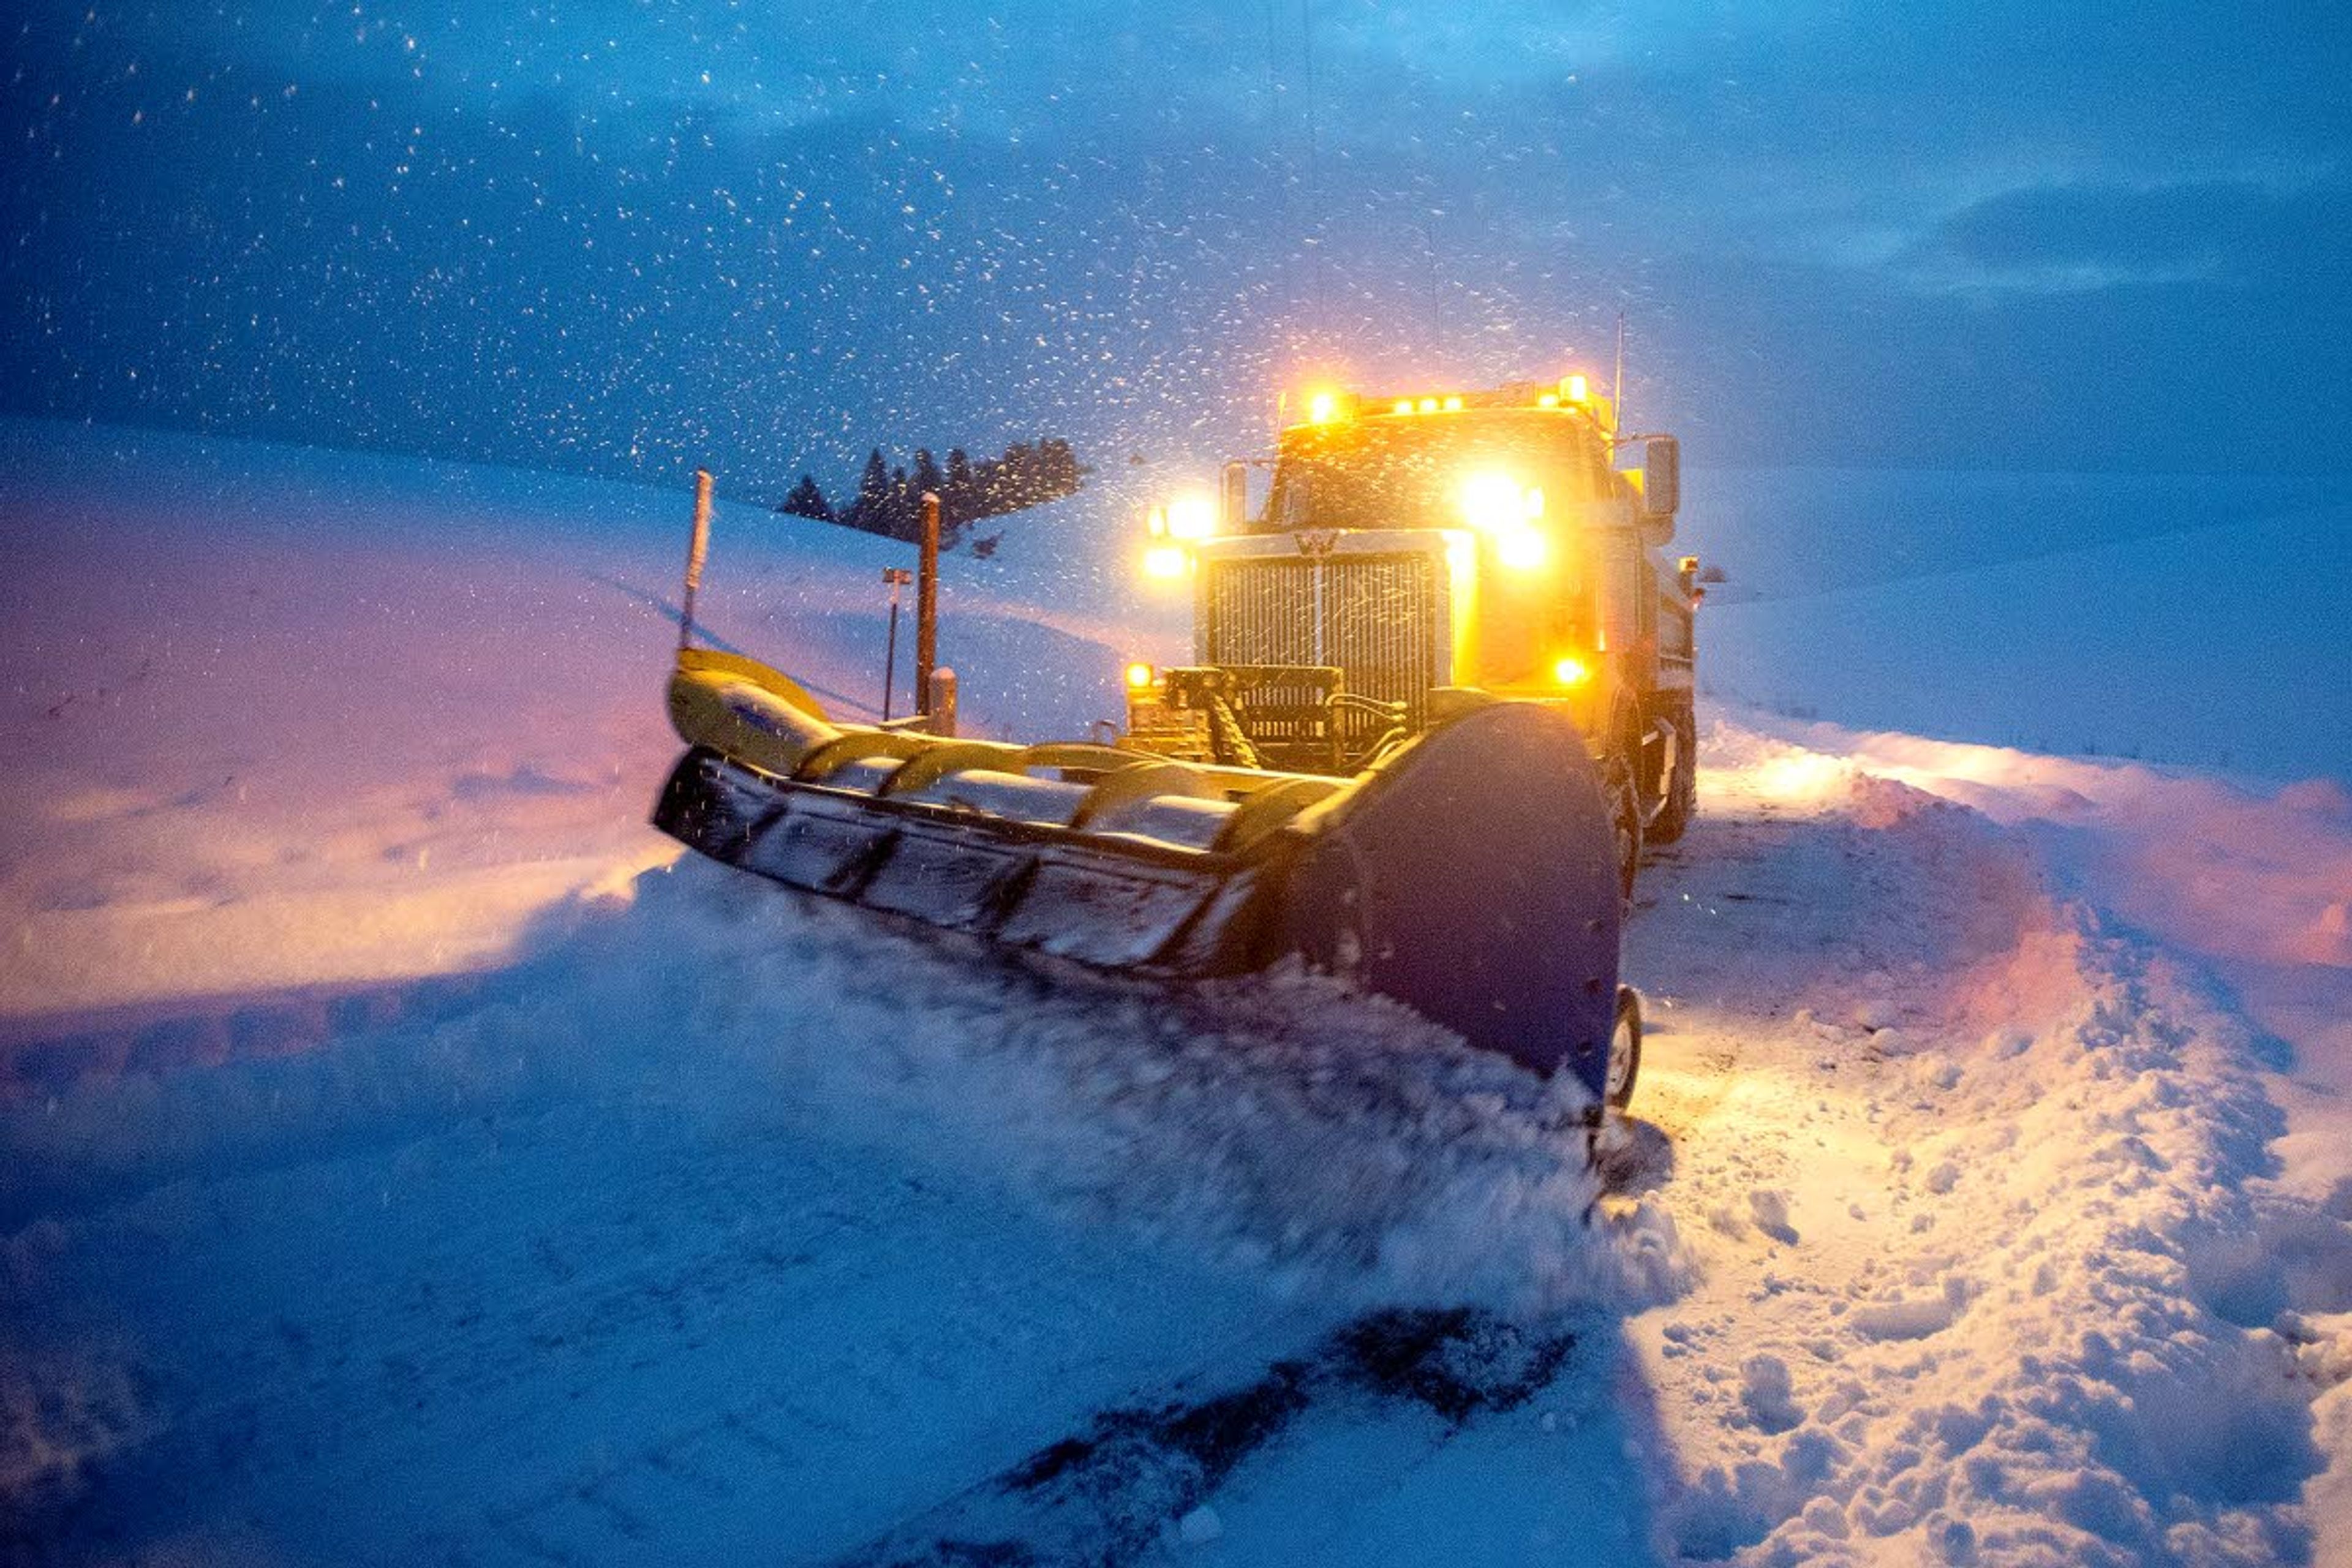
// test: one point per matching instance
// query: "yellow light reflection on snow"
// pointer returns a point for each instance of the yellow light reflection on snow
(1805, 778)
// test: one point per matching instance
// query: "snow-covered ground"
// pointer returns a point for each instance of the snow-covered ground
(2183, 619)
(409, 1159)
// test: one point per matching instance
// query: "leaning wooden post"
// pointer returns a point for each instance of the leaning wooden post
(926, 603)
(696, 554)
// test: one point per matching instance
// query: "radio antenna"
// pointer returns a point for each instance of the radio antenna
(1617, 392)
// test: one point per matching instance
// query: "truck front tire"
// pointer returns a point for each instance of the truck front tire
(1624, 1051)
(1626, 821)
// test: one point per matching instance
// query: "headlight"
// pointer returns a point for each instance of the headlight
(1191, 517)
(1498, 506)
(1497, 503)
(1521, 549)
(1166, 561)
(1139, 676)
(1571, 671)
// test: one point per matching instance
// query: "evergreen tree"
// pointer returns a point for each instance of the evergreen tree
(901, 518)
(1057, 468)
(960, 501)
(1016, 473)
(889, 500)
(929, 480)
(870, 509)
(808, 500)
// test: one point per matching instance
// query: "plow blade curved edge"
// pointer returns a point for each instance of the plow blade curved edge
(1474, 880)
(1469, 876)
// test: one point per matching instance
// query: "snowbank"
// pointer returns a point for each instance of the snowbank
(411, 1158)
(2000, 1267)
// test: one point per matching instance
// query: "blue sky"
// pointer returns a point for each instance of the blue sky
(624, 238)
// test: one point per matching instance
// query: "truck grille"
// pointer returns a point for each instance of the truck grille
(1376, 617)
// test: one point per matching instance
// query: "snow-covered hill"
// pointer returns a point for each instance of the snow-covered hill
(409, 1159)
(2168, 620)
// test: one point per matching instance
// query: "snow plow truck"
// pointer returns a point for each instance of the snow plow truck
(1441, 695)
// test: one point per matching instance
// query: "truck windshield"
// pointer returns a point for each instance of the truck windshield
(1409, 471)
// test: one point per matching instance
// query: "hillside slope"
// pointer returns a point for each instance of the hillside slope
(414, 1160)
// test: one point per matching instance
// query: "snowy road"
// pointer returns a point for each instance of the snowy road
(402, 1160)
(724, 1225)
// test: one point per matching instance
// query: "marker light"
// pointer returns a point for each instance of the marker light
(1403, 406)
(1191, 517)
(1548, 400)
(1155, 522)
(1429, 406)
(1454, 406)
(1321, 406)
(1571, 672)
(1165, 561)
(1138, 676)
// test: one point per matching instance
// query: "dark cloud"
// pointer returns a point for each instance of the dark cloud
(626, 236)
(2076, 236)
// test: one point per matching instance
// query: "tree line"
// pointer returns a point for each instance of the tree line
(889, 500)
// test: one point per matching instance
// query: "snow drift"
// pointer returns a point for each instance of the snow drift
(410, 1160)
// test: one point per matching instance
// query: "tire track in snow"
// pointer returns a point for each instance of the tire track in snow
(1134, 1478)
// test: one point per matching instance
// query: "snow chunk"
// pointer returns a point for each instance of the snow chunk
(1199, 1527)
(1764, 1389)
(1769, 1209)
(1874, 1014)
(1913, 1319)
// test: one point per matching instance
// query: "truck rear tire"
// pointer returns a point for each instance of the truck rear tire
(1679, 802)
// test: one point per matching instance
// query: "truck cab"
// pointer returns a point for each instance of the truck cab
(1423, 554)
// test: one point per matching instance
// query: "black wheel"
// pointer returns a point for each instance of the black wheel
(1679, 801)
(1624, 1051)
(1624, 820)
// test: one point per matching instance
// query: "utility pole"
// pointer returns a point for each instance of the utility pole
(895, 578)
(927, 604)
